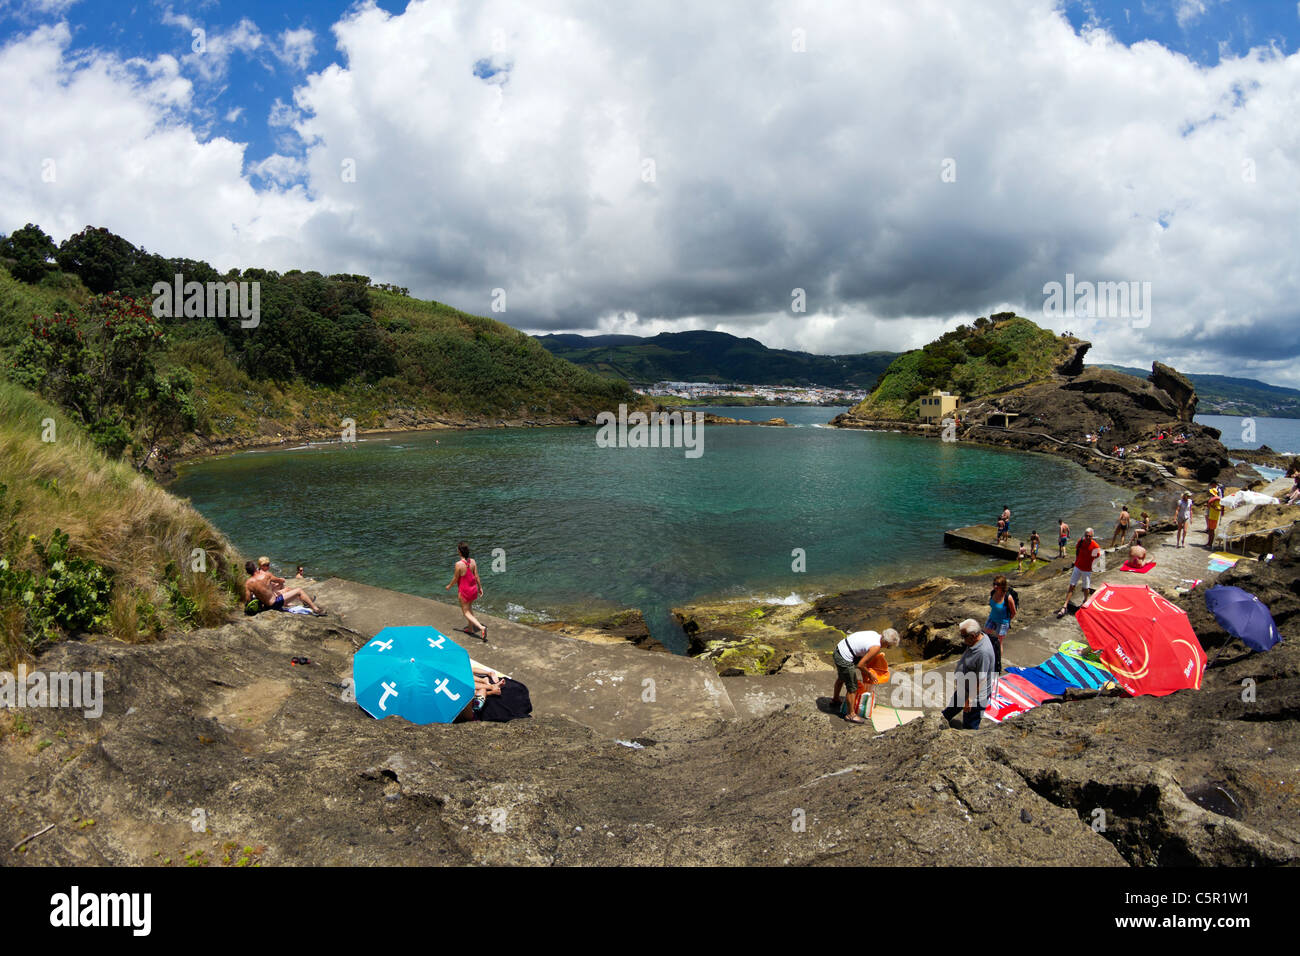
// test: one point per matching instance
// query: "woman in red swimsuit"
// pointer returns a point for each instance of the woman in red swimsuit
(469, 589)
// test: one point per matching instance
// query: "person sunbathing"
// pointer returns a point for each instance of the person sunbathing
(1137, 558)
(487, 683)
(259, 586)
(264, 571)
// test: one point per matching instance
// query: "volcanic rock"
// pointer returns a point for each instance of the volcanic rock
(1177, 386)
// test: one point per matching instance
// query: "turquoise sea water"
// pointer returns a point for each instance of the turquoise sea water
(1280, 434)
(583, 528)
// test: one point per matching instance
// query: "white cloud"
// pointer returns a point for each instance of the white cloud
(1189, 11)
(297, 47)
(122, 160)
(276, 168)
(50, 7)
(234, 114)
(182, 20)
(212, 50)
(772, 170)
(282, 114)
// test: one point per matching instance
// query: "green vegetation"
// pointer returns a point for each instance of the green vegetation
(89, 545)
(105, 372)
(325, 348)
(713, 357)
(970, 361)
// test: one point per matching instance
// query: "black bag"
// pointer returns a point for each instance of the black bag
(1011, 593)
(513, 702)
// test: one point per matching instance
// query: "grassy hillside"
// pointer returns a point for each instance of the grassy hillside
(330, 348)
(994, 353)
(713, 357)
(126, 567)
(447, 364)
(1229, 395)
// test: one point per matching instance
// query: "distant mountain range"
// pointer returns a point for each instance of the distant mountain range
(713, 357)
(722, 358)
(1226, 395)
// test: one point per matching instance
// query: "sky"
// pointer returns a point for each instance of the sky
(827, 176)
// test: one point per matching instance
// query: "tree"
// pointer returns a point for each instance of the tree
(99, 257)
(31, 249)
(103, 369)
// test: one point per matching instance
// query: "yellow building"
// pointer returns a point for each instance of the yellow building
(937, 406)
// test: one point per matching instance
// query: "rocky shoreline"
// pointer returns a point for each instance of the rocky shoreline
(397, 423)
(199, 447)
(288, 771)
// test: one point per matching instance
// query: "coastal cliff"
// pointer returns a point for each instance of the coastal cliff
(1052, 403)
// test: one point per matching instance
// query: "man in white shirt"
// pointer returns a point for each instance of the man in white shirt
(858, 653)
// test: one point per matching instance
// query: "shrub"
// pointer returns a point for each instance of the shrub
(61, 595)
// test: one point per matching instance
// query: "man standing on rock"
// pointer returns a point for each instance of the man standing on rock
(1085, 552)
(1062, 537)
(975, 677)
(1182, 518)
(861, 651)
(1213, 509)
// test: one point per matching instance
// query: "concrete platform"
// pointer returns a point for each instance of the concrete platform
(617, 691)
(982, 539)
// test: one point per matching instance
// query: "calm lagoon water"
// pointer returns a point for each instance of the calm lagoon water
(583, 528)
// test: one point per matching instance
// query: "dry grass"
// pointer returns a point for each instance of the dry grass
(111, 514)
(212, 602)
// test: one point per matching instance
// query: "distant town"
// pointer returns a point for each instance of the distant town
(705, 392)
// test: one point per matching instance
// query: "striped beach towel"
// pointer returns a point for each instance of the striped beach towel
(1014, 695)
(1041, 679)
(1066, 665)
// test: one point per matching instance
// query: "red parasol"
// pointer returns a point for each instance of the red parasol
(1146, 641)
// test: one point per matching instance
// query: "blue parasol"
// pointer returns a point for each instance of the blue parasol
(416, 672)
(1243, 615)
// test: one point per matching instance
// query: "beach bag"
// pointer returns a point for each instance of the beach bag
(866, 703)
(512, 703)
(253, 607)
(879, 668)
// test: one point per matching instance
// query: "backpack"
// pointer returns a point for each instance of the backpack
(1011, 593)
